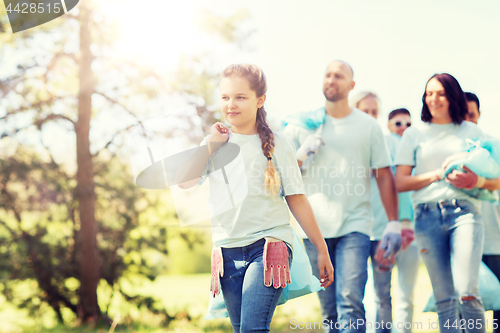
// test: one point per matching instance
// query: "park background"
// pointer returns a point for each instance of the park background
(79, 250)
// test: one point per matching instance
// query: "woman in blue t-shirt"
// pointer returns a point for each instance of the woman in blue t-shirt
(447, 221)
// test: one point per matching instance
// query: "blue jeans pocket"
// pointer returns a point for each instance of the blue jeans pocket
(418, 212)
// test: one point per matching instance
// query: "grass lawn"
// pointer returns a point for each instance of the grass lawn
(186, 297)
(190, 294)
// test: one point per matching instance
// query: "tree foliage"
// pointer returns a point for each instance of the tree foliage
(71, 216)
(40, 237)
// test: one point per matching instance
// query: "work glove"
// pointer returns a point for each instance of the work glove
(276, 269)
(391, 239)
(384, 265)
(407, 234)
(309, 147)
(217, 271)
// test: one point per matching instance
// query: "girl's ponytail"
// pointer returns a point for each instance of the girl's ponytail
(257, 81)
(272, 181)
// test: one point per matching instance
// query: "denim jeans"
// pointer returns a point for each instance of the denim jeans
(408, 262)
(344, 297)
(382, 288)
(493, 263)
(250, 304)
(446, 230)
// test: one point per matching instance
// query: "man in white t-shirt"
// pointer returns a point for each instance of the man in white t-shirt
(339, 154)
(491, 216)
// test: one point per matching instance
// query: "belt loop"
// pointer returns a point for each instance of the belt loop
(422, 206)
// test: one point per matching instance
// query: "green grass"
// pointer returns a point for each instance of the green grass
(186, 297)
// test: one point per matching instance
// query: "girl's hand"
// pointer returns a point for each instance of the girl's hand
(218, 133)
(325, 269)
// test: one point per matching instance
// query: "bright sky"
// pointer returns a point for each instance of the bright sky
(393, 46)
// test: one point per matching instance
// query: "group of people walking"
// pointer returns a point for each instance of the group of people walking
(340, 177)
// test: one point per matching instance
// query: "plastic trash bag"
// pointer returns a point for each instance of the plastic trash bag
(484, 160)
(310, 120)
(489, 289)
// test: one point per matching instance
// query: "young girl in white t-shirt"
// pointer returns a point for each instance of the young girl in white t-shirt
(251, 231)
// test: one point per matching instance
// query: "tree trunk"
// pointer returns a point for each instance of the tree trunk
(89, 257)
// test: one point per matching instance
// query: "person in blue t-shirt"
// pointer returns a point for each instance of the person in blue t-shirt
(491, 216)
(407, 259)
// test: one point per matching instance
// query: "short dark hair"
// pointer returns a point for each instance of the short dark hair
(395, 112)
(458, 109)
(471, 97)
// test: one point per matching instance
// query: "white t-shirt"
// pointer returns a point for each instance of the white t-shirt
(427, 148)
(337, 182)
(379, 215)
(491, 220)
(253, 213)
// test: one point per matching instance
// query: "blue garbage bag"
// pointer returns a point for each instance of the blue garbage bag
(309, 120)
(489, 289)
(484, 160)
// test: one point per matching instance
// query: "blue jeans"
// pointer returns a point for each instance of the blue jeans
(446, 230)
(250, 304)
(408, 262)
(349, 255)
(382, 287)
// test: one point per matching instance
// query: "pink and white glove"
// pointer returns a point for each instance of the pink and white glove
(384, 265)
(407, 234)
(389, 246)
(276, 269)
(217, 270)
(391, 239)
